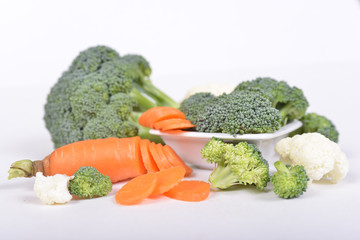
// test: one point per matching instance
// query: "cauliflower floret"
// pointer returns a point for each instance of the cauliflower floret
(321, 157)
(214, 88)
(52, 189)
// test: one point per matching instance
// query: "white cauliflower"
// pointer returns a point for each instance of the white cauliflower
(321, 157)
(52, 189)
(214, 88)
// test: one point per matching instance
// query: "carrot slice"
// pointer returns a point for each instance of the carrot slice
(158, 156)
(148, 159)
(175, 159)
(137, 189)
(167, 179)
(190, 191)
(149, 117)
(173, 124)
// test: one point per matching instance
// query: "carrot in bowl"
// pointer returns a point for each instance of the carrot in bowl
(155, 114)
(173, 124)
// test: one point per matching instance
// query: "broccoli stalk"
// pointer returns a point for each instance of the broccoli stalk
(88, 182)
(236, 164)
(289, 181)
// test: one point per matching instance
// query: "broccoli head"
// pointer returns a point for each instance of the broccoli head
(290, 101)
(240, 112)
(194, 104)
(236, 164)
(289, 182)
(88, 182)
(313, 122)
(101, 95)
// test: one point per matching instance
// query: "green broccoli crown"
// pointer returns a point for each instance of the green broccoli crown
(289, 182)
(290, 101)
(194, 104)
(88, 182)
(313, 122)
(241, 112)
(97, 97)
(236, 164)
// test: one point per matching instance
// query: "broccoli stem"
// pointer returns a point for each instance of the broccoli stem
(159, 96)
(143, 103)
(223, 177)
(281, 167)
(284, 111)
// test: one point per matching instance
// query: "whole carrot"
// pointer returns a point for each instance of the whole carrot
(119, 158)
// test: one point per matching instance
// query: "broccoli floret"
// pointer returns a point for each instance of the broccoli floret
(101, 95)
(241, 112)
(289, 182)
(236, 164)
(290, 101)
(194, 104)
(312, 122)
(88, 182)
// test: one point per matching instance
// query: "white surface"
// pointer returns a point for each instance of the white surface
(189, 144)
(311, 44)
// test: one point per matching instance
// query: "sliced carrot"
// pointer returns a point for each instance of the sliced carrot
(137, 189)
(173, 124)
(175, 159)
(191, 191)
(147, 158)
(158, 156)
(149, 117)
(167, 179)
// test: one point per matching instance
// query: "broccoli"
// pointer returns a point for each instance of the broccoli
(313, 122)
(194, 104)
(240, 112)
(236, 164)
(88, 182)
(101, 95)
(289, 182)
(290, 101)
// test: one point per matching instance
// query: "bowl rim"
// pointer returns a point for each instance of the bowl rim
(288, 128)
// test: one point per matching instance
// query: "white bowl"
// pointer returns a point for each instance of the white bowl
(188, 144)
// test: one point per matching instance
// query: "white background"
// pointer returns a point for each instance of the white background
(312, 44)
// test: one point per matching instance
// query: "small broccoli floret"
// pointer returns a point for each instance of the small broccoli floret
(194, 104)
(290, 101)
(289, 181)
(241, 112)
(236, 164)
(313, 122)
(101, 95)
(88, 182)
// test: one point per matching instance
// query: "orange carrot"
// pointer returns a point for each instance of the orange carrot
(119, 158)
(147, 158)
(149, 117)
(191, 191)
(173, 124)
(137, 189)
(175, 160)
(167, 179)
(159, 157)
